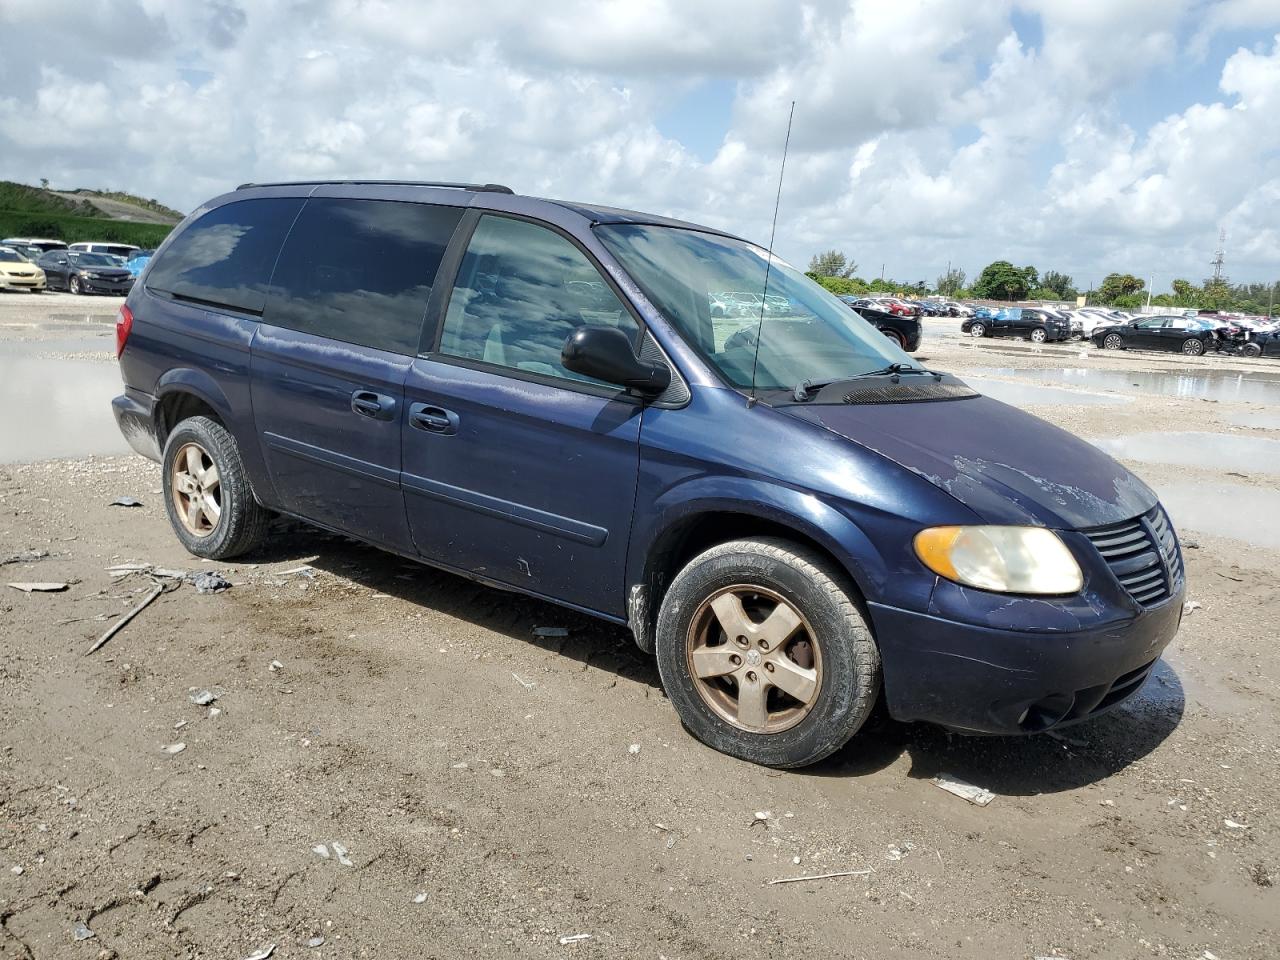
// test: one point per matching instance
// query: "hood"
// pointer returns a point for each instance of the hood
(23, 268)
(1007, 466)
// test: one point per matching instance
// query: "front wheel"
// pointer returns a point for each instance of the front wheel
(207, 494)
(978, 330)
(1251, 350)
(1113, 341)
(74, 286)
(764, 655)
(1192, 347)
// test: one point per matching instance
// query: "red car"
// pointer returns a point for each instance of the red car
(888, 305)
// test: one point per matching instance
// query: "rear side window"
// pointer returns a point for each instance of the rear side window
(361, 271)
(521, 290)
(225, 258)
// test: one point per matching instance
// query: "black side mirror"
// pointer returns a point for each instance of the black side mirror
(605, 353)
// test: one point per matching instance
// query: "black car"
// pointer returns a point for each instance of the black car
(904, 331)
(1038, 326)
(1190, 335)
(85, 273)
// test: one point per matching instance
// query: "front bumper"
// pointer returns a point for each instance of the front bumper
(117, 288)
(135, 416)
(26, 284)
(983, 680)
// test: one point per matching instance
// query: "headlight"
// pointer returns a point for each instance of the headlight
(1001, 559)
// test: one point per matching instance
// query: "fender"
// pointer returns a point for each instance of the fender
(199, 384)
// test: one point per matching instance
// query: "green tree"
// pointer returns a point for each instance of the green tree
(1001, 280)
(950, 283)
(1117, 285)
(841, 286)
(44, 183)
(1043, 293)
(833, 263)
(1186, 294)
(1060, 284)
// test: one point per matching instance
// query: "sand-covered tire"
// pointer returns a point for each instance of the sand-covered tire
(207, 495)
(764, 653)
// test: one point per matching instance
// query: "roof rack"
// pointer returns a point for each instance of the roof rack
(475, 187)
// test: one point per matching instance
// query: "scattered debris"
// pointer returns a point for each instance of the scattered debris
(1190, 544)
(574, 938)
(1228, 576)
(39, 587)
(175, 748)
(26, 556)
(17, 871)
(550, 632)
(306, 570)
(1232, 825)
(980, 796)
(762, 816)
(210, 582)
(262, 952)
(341, 852)
(275, 666)
(119, 624)
(81, 931)
(527, 684)
(320, 850)
(1106, 803)
(1069, 741)
(125, 502)
(420, 898)
(165, 573)
(1192, 605)
(315, 942)
(180, 724)
(214, 712)
(633, 749)
(203, 698)
(821, 876)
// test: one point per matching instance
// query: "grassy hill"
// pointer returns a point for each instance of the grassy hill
(83, 215)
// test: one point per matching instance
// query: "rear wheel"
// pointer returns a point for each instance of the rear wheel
(207, 495)
(896, 337)
(1113, 341)
(978, 330)
(1192, 347)
(764, 655)
(1039, 335)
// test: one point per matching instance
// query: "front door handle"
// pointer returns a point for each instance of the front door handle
(433, 419)
(374, 406)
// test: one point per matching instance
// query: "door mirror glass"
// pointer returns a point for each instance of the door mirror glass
(605, 353)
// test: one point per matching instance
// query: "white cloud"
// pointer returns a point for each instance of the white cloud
(925, 130)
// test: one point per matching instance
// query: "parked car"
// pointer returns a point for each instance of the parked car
(40, 243)
(85, 273)
(1031, 323)
(888, 305)
(137, 261)
(1189, 335)
(436, 383)
(114, 249)
(19, 273)
(906, 332)
(1094, 318)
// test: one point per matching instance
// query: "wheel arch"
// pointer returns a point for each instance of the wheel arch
(183, 393)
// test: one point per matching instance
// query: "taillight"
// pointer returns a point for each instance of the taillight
(124, 326)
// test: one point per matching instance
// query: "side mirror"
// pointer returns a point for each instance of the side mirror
(605, 353)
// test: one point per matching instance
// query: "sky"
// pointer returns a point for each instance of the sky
(1084, 136)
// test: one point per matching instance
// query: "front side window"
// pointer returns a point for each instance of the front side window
(225, 258)
(521, 290)
(806, 333)
(360, 271)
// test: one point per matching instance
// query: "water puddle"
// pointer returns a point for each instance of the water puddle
(1210, 451)
(56, 408)
(1203, 384)
(1233, 510)
(1028, 396)
(1259, 420)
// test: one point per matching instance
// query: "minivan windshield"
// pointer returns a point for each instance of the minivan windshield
(807, 333)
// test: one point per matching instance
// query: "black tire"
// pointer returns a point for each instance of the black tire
(1193, 346)
(1251, 350)
(243, 521)
(849, 678)
(896, 337)
(977, 329)
(1113, 341)
(1039, 335)
(74, 286)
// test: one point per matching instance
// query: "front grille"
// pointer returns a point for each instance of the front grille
(1143, 554)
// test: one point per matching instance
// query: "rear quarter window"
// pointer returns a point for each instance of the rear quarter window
(360, 271)
(225, 258)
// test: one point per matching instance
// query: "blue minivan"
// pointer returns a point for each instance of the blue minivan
(789, 512)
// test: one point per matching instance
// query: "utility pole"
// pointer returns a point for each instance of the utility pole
(1271, 298)
(1220, 256)
(882, 273)
(948, 292)
(1150, 283)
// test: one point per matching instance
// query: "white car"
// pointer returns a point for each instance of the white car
(1091, 318)
(121, 250)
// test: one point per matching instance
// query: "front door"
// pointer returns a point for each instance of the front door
(516, 469)
(330, 358)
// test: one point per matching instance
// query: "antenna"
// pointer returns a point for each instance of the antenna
(768, 264)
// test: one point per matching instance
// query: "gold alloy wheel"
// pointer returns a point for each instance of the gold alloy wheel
(754, 659)
(197, 490)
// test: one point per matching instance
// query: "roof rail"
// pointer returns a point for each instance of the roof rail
(476, 187)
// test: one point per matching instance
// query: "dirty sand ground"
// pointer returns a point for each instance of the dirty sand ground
(416, 722)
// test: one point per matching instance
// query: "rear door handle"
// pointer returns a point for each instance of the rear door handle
(433, 419)
(374, 406)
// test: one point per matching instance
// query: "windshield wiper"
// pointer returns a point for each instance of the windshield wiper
(807, 389)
